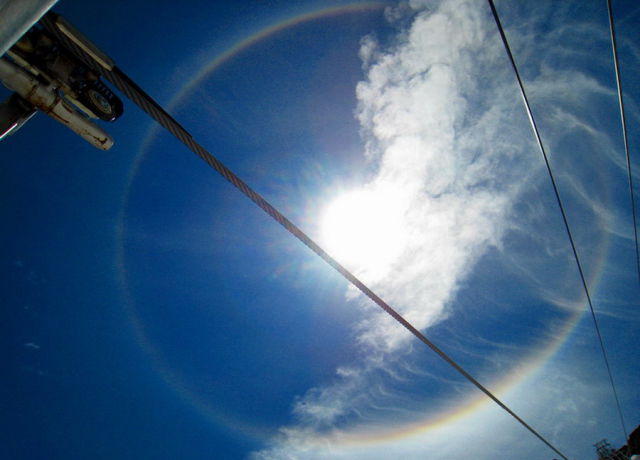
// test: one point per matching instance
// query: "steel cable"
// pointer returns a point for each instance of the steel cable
(148, 105)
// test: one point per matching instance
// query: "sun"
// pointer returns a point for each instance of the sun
(364, 230)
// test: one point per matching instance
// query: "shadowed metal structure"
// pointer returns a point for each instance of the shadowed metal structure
(17, 17)
(45, 77)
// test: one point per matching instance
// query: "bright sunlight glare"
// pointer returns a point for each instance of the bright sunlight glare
(364, 230)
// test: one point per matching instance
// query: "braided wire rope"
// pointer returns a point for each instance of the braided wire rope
(152, 108)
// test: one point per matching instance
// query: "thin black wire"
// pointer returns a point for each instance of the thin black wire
(146, 103)
(564, 216)
(623, 119)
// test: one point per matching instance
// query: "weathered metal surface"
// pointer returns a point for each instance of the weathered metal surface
(17, 16)
(84, 43)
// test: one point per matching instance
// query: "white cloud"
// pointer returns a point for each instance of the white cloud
(440, 158)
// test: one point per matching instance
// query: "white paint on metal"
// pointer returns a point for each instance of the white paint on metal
(46, 99)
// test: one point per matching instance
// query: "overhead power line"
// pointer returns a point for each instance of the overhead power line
(147, 104)
(534, 126)
(623, 120)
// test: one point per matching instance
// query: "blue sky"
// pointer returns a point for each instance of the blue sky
(154, 312)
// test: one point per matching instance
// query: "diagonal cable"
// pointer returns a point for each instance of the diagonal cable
(534, 126)
(623, 119)
(147, 104)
